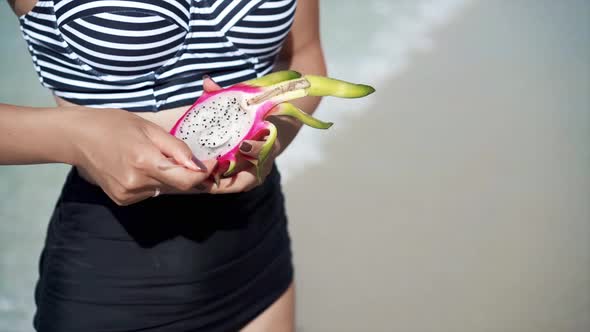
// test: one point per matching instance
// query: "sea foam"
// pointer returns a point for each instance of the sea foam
(368, 43)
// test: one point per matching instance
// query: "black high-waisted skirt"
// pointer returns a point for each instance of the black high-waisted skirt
(171, 263)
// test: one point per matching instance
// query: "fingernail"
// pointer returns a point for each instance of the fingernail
(246, 147)
(199, 163)
(206, 77)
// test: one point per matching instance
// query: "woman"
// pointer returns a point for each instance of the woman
(137, 242)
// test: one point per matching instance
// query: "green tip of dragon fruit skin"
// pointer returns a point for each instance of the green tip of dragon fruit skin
(274, 78)
(326, 86)
(267, 147)
(230, 168)
(288, 109)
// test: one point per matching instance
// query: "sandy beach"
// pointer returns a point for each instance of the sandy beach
(459, 201)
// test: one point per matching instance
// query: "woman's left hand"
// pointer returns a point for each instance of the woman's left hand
(245, 178)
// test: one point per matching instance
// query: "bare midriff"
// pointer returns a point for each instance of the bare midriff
(165, 119)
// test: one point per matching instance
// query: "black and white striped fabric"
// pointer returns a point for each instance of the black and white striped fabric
(150, 55)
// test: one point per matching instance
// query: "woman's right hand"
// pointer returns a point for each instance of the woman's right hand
(131, 158)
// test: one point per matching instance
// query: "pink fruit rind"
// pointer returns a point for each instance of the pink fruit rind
(259, 125)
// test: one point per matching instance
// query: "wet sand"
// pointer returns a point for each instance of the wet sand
(460, 203)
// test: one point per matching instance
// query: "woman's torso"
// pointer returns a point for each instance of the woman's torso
(149, 56)
(177, 262)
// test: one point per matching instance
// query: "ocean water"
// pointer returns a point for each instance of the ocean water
(27, 193)
(368, 42)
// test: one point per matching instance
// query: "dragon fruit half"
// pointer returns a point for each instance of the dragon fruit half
(217, 123)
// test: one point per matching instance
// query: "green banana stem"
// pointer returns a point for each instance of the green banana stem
(288, 109)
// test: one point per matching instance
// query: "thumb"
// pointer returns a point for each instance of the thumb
(251, 148)
(209, 85)
(172, 147)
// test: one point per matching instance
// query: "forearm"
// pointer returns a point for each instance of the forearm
(35, 135)
(307, 60)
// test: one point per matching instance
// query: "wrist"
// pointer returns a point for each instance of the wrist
(67, 123)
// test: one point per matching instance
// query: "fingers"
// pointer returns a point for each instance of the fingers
(209, 85)
(241, 182)
(137, 197)
(253, 148)
(146, 175)
(174, 164)
(171, 146)
(181, 178)
(129, 189)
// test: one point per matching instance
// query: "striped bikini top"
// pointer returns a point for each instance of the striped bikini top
(151, 55)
